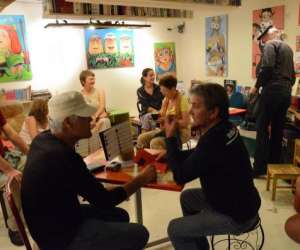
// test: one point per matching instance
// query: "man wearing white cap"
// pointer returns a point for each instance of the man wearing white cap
(55, 175)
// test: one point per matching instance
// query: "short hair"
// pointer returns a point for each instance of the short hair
(214, 96)
(56, 125)
(168, 81)
(84, 74)
(39, 110)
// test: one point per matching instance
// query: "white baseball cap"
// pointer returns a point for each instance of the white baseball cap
(67, 104)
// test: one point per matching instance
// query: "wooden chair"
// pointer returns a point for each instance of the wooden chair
(3, 207)
(288, 172)
(13, 193)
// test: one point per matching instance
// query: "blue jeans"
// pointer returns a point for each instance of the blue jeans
(108, 230)
(201, 220)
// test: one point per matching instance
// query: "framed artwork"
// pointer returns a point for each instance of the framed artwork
(165, 59)
(109, 48)
(14, 54)
(216, 46)
(262, 19)
(299, 15)
(297, 56)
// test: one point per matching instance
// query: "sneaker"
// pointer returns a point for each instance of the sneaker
(15, 238)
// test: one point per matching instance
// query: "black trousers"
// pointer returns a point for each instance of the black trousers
(274, 102)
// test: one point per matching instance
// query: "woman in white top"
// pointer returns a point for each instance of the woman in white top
(36, 122)
(96, 98)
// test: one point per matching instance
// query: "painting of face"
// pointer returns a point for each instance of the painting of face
(111, 46)
(165, 61)
(125, 44)
(216, 45)
(165, 56)
(266, 18)
(263, 18)
(5, 43)
(14, 54)
(95, 45)
(216, 23)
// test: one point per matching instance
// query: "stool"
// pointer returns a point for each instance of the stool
(242, 241)
(283, 172)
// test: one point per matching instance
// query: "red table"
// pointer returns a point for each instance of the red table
(163, 182)
(236, 111)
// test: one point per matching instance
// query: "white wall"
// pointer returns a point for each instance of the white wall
(192, 56)
(58, 54)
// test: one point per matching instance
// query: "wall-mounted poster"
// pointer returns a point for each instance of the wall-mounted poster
(216, 45)
(299, 15)
(165, 59)
(14, 55)
(109, 48)
(262, 19)
(297, 56)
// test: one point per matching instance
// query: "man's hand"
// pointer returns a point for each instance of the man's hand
(253, 91)
(148, 174)
(170, 125)
(14, 174)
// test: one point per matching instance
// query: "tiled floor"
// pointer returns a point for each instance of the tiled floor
(160, 207)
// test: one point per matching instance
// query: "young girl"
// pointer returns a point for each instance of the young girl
(36, 122)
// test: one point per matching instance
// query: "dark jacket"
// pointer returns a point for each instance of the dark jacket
(53, 178)
(277, 65)
(221, 162)
(145, 100)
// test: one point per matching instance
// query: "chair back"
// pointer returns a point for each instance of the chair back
(139, 106)
(12, 194)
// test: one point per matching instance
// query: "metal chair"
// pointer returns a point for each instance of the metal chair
(244, 240)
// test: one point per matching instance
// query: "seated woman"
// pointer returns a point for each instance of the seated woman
(174, 105)
(149, 99)
(292, 225)
(236, 100)
(36, 122)
(94, 97)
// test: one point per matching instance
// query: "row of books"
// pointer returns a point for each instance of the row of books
(16, 94)
(63, 7)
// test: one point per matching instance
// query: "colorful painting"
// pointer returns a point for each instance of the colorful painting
(297, 57)
(165, 59)
(14, 55)
(262, 19)
(109, 48)
(216, 46)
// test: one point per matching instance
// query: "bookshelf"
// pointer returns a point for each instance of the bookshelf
(5, 3)
(61, 9)
(176, 4)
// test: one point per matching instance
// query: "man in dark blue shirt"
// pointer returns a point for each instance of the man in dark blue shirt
(55, 175)
(228, 201)
(276, 77)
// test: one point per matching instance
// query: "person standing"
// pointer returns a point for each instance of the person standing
(276, 77)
